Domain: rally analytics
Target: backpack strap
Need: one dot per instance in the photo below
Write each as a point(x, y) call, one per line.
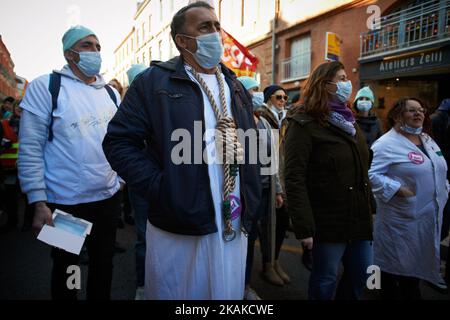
point(53, 86)
point(112, 95)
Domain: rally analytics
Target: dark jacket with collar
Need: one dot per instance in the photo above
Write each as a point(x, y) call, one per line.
point(371, 127)
point(265, 112)
point(160, 100)
point(327, 183)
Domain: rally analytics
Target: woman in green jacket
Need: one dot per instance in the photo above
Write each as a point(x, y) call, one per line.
point(327, 185)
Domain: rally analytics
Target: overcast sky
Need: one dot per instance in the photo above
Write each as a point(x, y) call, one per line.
point(32, 29)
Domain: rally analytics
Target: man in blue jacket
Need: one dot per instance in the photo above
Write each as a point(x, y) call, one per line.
point(200, 210)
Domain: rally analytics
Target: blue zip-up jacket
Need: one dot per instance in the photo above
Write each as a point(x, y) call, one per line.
point(160, 100)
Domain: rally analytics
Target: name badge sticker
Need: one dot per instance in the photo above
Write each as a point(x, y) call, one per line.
point(416, 157)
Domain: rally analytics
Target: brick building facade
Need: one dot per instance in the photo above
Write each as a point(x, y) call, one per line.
point(8, 86)
point(347, 21)
point(406, 54)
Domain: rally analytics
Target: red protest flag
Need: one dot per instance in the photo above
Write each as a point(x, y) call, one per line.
point(237, 57)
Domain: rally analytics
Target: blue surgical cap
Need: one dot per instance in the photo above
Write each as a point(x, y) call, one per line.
point(134, 71)
point(75, 34)
point(248, 82)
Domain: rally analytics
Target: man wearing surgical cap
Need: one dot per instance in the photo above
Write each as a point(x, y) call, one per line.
point(134, 71)
point(61, 163)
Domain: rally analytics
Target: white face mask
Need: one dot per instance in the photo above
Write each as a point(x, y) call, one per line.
point(257, 99)
point(411, 130)
point(209, 49)
point(363, 105)
point(344, 90)
point(90, 63)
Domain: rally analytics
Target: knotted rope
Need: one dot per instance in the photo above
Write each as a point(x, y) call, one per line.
point(229, 149)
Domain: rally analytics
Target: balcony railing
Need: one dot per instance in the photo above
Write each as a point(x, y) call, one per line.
point(297, 67)
point(416, 26)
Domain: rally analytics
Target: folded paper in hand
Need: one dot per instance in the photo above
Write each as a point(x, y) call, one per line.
point(68, 233)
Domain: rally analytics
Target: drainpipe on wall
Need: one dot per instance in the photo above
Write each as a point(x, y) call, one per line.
point(274, 40)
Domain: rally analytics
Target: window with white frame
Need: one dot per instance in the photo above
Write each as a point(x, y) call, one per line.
point(298, 65)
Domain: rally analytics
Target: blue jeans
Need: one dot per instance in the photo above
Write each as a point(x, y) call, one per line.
point(356, 257)
point(140, 208)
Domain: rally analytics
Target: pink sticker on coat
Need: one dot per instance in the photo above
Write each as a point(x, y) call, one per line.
point(416, 157)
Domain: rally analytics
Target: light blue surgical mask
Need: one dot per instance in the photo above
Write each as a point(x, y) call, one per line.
point(90, 63)
point(209, 49)
point(257, 100)
point(411, 130)
point(344, 90)
point(364, 105)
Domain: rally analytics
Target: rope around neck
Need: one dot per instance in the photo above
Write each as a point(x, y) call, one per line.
point(229, 150)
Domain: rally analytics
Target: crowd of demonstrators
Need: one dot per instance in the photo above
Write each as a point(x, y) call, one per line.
point(126, 207)
point(199, 214)
point(140, 209)
point(7, 108)
point(408, 177)
point(440, 121)
point(274, 112)
point(61, 163)
point(271, 194)
point(197, 223)
point(327, 185)
point(9, 184)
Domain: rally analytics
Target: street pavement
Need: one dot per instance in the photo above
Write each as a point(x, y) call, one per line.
point(25, 267)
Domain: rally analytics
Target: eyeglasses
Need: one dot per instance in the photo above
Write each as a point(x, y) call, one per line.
point(280, 97)
point(414, 111)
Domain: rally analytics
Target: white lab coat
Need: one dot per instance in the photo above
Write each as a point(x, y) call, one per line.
point(407, 230)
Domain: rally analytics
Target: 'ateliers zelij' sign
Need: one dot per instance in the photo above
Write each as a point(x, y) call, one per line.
point(416, 63)
point(410, 63)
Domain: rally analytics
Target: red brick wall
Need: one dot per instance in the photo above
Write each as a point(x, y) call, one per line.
point(7, 88)
point(348, 22)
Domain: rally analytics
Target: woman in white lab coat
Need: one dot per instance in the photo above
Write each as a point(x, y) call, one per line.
point(408, 177)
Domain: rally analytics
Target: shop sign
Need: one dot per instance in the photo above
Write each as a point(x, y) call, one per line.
point(406, 65)
point(332, 47)
point(421, 60)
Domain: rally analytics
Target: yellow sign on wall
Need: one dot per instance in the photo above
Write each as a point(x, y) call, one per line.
point(332, 47)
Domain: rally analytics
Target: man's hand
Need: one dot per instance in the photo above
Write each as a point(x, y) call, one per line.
point(279, 201)
point(122, 186)
point(404, 192)
point(307, 243)
point(42, 216)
